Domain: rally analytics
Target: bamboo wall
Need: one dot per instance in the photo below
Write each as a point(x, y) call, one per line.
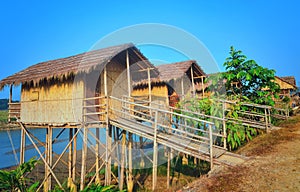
point(159, 93)
point(56, 103)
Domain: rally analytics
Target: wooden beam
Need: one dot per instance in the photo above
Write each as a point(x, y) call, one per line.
point(224, 125)
point(50, 150)
point(9, 101)
point(202, 85)
point(108, 154)
point(182, 88)
point(168, 168)
point(149, 85)
point(97, 156)
point(70, 156)
point(74, 156)
point(211, 147)
point(83, 158)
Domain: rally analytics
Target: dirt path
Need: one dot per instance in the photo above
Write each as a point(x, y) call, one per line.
point(274, 165)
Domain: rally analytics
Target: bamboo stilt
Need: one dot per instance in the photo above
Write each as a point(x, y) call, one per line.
point(9, 101)
point(202, 85)
point(97, 156)
point(74, 156)
point(121, 176)
point(22, 147)
point(168, 169)
point(46, 183)
point(50, 150)
point(108, 155)
point(193, 83)
point(155, 154)
point(83, 160)
point(70, 155)
point(130, 176)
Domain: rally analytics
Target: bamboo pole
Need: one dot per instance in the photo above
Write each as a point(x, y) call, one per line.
point(70, 155)
point(155, 153)
point(130, 176)
point(22, 147)
point(50, 150)
point(9, 101)
point(149, 85)
point(83, 159)
point(211, 146)
point(121, 177)
point(46, 183)
point(108, 154)
point(202, 85)
point(128, 73)
point(193, 83)
point(224, 125)
point(97, 156)
point(168, 169)
point(74, 157)
point(266, 120)
point(182, 88)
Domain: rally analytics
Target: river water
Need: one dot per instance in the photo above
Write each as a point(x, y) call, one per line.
point(10, 145)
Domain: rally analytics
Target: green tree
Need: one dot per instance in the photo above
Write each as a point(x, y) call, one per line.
point(246, 79)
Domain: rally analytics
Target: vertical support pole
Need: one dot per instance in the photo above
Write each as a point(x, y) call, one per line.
point(224, 125)
point(128, 74)
point(50, 151)
point(22, 147)
point(74, 157)
point(211, 147)
point(108, 154)
point(121, 176)
point(202, 85)
point(149, 85)
point(155, 154)
point(168, 169)
point(97, 156)
point(70, 160)
point(182, 88)
point(46, 183)
point(193, 83)
point(266, 120)
point(130, 176)
point(9, 101)
point(83, 159)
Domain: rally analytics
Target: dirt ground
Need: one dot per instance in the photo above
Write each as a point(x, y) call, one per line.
point(274, 164)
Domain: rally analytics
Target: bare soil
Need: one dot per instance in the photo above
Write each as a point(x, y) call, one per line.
point(274, 164)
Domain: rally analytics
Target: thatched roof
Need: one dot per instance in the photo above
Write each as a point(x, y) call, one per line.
point(177, 70)
point(81, 63)
point(289, 79)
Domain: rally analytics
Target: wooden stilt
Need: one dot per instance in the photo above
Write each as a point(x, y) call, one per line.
point(74, 187)
point(130, 176)
point(108, 154)
point(142, 163)
point(182, 89)
point(70, 156)
point(202, 85)
point(168, 169)
point(224, 125)
point(83, 160)
point(121, 176)
point(97, 156)
point(155, 154)
point(149, 85)
point(22, 147)
point(46, 183)
point(211, 147)
point(128, 74)
point(50, 150)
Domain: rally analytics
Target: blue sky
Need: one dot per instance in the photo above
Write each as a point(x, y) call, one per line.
point(35, 31)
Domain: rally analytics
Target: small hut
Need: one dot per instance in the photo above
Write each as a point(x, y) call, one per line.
point(176, 80)
point(53, 92)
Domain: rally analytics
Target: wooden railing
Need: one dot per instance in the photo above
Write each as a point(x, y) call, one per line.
point(14, 111)
point(95, 110)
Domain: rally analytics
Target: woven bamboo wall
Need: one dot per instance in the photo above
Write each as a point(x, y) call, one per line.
point(56, 103)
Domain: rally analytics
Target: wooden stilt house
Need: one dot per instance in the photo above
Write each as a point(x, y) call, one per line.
point(53, 92)
point(176, 80)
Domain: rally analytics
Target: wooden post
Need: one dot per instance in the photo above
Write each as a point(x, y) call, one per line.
point(108, 154)
point(128, 73)
point(46, 183)
point(74, 158)
point(211, 147)
point(202, 85)
point(149, 85)
point(266, 120)
point(97, 156)
point(155, 154)
point(193, 83)
point(70, 160)
point(130, 176)
point(224, 125)
point(182, 88)
point(50, 151)
point(9, 103)
point(22, 147)
point(168, 169)
point(121, 176)
point(83, 160)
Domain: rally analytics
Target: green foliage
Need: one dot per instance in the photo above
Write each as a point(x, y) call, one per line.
point(15, 180)
point(3, 116)
point(99, 188)
point(246, 79)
